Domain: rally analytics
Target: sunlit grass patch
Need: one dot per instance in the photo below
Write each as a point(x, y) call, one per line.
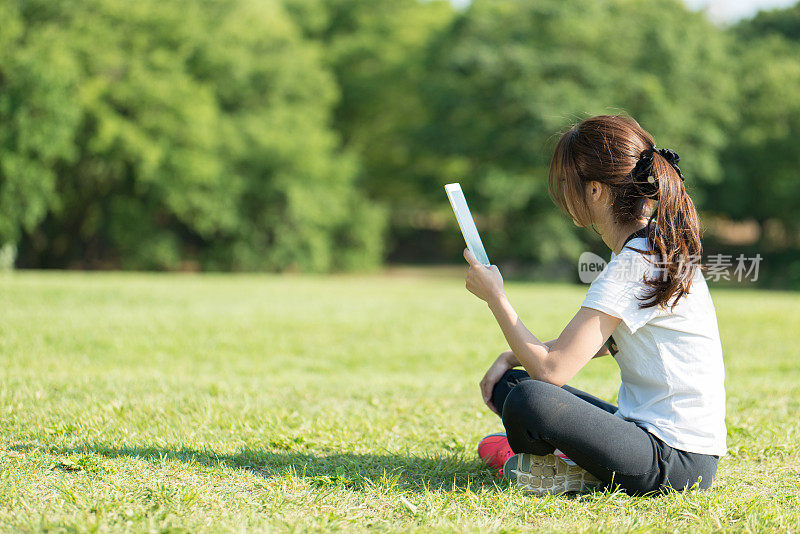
point(220, 403)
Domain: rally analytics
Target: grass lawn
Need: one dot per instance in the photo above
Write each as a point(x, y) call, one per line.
point(150, 402)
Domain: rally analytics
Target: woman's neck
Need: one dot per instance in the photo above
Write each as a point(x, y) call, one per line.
point(614, 235)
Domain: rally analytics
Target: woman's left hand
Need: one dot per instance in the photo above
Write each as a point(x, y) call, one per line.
point(484, 282)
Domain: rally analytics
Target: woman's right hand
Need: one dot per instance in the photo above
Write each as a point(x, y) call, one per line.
point(502, 364)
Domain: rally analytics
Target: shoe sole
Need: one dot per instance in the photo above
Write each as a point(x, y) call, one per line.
point(547, 475)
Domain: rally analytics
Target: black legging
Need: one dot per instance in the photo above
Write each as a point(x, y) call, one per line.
point(540, 417)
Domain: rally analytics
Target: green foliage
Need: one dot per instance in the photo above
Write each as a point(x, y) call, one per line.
point(203, 135)
point(784, 22)
point(508, 75)
point(762, 158)
point(315, 135)
point(377, 52)
point(37, 121)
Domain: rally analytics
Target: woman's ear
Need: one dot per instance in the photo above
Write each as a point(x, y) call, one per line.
point(594, 191)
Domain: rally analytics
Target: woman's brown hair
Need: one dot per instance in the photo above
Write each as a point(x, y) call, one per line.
point(606, 149)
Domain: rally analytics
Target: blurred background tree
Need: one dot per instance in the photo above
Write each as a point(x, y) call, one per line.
point(37, 122)
point(762, 159)
point(508, 75)
point(316, 135)
point(377, 52)
point(203, 135)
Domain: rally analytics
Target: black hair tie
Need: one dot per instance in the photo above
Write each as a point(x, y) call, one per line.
point(643, 176)
point(672, 157)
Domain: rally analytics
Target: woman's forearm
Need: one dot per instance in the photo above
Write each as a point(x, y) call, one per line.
point(557, 363)
point(512, 360)
point(530, 352)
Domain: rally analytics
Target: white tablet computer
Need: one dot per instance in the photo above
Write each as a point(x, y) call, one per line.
point(465, 222)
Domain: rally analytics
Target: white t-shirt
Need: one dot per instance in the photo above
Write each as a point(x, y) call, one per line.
point(670, 360)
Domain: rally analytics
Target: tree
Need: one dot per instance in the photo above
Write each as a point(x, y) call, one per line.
point(784, 22)
point(376, 51)
point(204, 134)
point(37, 122)
point(508, 75)
point(762, 158)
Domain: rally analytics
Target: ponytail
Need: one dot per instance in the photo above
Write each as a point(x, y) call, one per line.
point(674, 233)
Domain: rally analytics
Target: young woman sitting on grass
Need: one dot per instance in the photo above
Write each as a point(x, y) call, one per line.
point(668, 430)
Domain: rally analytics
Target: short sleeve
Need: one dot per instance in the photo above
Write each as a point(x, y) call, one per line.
point(619, 289)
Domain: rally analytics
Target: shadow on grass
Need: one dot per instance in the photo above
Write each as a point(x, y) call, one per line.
point(354, 471)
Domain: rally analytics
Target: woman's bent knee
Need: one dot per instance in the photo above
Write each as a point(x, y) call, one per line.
point(528, 402)
point(526, 416)
point(505, 385)
point(509, 376)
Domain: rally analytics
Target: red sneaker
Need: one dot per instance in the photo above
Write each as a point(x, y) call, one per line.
point(494, 450)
